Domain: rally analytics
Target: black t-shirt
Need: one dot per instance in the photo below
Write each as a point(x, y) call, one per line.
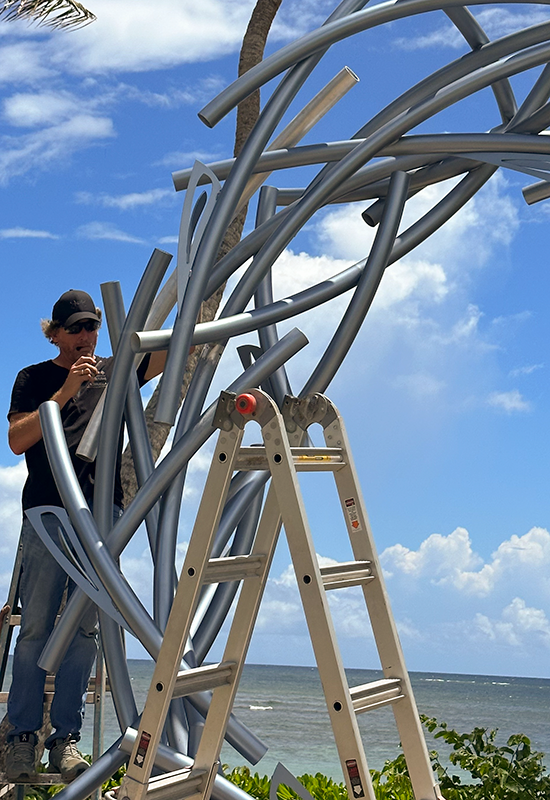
point(35, 385)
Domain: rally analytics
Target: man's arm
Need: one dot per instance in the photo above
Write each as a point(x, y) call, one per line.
point(24, 427)
point(157, 361)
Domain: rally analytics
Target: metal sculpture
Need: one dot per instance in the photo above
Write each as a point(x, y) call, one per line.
point(348, 173)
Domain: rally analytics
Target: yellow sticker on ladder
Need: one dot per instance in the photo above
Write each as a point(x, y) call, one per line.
point(353, 516)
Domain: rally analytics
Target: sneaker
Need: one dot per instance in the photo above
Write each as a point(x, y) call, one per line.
point(21, 758)
point(65, 759)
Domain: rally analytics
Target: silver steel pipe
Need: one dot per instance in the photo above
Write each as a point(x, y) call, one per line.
point(247, 321)
point(138, 620)
point(164, 585)
point(228, 200)
point(138, 434)
point(128, 604)
point(536, 192)
point(319, 39)
point(469, 27)
point(268, 336)
point(116, 391)
point(117, 669)
point(366, 288)
point(217, 225)
point(154, 487)
point(317, 194)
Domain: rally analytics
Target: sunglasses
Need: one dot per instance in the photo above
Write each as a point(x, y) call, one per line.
point(86, 324)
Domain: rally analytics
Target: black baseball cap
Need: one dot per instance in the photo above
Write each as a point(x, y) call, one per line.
point(73, 306)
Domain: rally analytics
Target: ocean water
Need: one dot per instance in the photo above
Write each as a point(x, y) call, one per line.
point(285, 707)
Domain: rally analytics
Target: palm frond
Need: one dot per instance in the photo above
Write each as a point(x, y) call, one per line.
point(51, 13)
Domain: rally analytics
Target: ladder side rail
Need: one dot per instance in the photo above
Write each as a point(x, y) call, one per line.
point(176, 634)
point(314, 600)
point(385, 632)
point(240, 633)
point(6, 630)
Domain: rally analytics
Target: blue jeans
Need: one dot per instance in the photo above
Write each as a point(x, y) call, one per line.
point(41, 589)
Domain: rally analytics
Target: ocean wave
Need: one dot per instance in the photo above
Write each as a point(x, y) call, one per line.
point(260, 708)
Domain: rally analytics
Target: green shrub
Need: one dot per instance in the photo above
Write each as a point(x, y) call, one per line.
point(497, 772)
point(509, 772)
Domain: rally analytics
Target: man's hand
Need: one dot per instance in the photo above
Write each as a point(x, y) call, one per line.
point(25, 430)
point(81, 371)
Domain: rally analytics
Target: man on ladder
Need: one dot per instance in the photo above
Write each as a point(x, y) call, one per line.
point(75, 379)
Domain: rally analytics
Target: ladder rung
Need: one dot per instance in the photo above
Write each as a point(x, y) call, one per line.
point(15, 620)
point(376, 694)
point(233, 568)
point(348, 573)
point(40, 779)
point(306, 459)
point(48, 697)
point(200, 679)
point(174, 785)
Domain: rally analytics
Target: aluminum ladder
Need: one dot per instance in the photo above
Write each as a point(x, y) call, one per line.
point(283, 455)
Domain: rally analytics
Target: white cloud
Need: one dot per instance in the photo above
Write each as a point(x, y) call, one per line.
point(133, 35)
point(23, 62)
point(496, 22)
point(420, 385)
point(37, 150)
point(106, 230)
point(509, 401)
point(125, 202)
point(437, 557)
point(526, 370)
point(179, 159)
point(26, 233)
point(450, 561)
point(28, 110)
point(168, 240)
point(519, 625)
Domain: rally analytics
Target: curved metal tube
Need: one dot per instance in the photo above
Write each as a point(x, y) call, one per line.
point(311, 43)
point(138, 620)
point(164, 474)
point(123, 363)
point(315, 197)
point(366, 288)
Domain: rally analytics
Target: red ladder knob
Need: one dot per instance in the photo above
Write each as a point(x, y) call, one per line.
point(246, 403)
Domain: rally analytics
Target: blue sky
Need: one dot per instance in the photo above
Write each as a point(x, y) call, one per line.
point(444, 392)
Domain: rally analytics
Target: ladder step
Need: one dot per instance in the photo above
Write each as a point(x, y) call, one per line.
point(376, 694)
point(306, 459)
point(40, 779)
point(200, 679)
point(348, 573)
point(174, 785)
point(233, 568)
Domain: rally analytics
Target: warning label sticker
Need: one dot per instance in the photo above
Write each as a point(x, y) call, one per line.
point(355, 778)
point(142, 749)
point(351, 511)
